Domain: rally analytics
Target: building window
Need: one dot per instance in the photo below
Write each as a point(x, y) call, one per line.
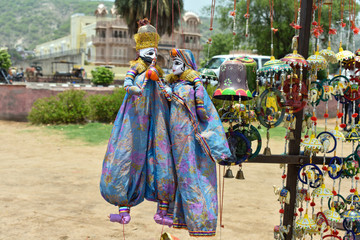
point(124, 34)
point(103, 33)
point(115, 34)
point(120, 34)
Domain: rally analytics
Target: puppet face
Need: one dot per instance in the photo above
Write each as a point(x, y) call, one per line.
point(178, 66)
point(148, 54)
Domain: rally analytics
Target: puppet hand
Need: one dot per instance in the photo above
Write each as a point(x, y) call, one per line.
point(199, 98)
point(133, 90)
point(168, 90)
point(201, 112)
point(152, 74)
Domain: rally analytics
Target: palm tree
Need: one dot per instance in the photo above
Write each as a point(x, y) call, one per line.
point(134, 10)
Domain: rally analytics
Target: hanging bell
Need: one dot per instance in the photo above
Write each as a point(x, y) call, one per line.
point(237, 79)
point(240, 175)
point(228, 174)
point(291, 135)
point(267, 151)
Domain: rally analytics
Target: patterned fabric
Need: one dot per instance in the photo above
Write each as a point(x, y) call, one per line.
point(186, 56)
point(138, 163)
point(197, 145)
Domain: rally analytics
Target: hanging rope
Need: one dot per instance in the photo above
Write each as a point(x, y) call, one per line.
point(172, 21)
point(233, 14)
point(273, 30)
point(157, 13)
point(123, 229)
point(151, 9)
point(212, 12)
point(295, 24)
point(181, 25)
point(247, 16)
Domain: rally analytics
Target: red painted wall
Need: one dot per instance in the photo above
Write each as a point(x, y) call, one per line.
point(16, 100)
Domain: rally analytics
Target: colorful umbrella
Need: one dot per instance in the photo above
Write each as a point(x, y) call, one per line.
point(311, 144)
point(295, 60)
point(317, 62)
point(305, 223)
point(337, 134)
point(332, 215)
point(273, 67)
point(329, 55)
point(322, 192)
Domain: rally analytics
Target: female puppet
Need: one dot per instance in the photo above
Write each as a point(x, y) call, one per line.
point(138, 162)
point(198, 141)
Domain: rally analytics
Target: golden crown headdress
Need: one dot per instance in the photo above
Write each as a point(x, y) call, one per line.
point(147, 36)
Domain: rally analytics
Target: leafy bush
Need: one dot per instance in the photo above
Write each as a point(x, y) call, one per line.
point(104, 108)
point(5, 61)
point(102, 76)
point(67, 107)
point(217, 103)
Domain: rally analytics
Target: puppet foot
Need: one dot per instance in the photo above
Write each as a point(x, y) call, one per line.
point(123, 217)
point(161, 218)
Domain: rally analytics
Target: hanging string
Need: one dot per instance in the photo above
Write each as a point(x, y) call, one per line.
point(247, 16)
point(296, 10)
point(295, 23)
point(172, 21)
point(151, 9)
point(233, 14)
point(123, 229)
point(157, 13)
point(273, 30)
point(349, 30)
point(212, 12)
point(220, 198)
point(318, 30)
point(181, 25)
point(332, 31)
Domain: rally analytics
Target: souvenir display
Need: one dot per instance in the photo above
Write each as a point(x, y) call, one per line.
point(168, 135)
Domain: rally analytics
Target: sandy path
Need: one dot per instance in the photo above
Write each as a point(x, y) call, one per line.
point(50, 190)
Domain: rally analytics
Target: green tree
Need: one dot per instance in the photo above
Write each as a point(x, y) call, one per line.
point(221, 44)
point(134, 10)
point(259, 24)
point(5, 61)
point(102, 76)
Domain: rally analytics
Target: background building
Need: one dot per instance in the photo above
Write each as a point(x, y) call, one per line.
point(103, 39)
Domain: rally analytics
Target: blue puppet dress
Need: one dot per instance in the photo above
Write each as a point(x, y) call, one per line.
point(138, 162)
point(197, 145)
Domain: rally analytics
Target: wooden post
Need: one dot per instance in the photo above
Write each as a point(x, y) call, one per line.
point(294, 145)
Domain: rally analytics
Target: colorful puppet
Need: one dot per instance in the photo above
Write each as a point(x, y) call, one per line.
point(198, 141)
point(138, 163)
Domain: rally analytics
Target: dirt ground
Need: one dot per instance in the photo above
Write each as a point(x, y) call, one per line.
point(50, 190)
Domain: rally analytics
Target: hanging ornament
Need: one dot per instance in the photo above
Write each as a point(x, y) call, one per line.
point(344, 57)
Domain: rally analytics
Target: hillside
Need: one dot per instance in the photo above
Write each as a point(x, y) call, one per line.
point(27, 23)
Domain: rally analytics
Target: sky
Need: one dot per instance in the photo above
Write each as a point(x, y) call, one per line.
point(196, 5)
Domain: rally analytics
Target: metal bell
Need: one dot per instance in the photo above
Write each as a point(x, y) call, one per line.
point(228, 174)
point(240, 175)
point(237, 79)
point(291, 135)
point(267, 151)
